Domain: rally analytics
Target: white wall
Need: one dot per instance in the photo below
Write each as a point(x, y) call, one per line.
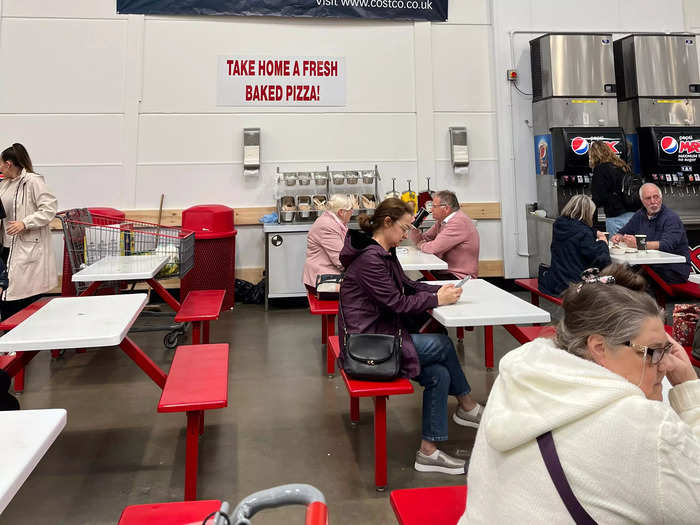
point(116, 110)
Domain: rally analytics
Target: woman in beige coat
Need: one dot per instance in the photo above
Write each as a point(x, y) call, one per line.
point(26, 239)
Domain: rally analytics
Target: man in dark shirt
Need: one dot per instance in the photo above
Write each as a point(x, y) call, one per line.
point(664, 231)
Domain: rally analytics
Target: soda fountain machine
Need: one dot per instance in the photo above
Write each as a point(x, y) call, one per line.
point(659, 106)
point(574, 103)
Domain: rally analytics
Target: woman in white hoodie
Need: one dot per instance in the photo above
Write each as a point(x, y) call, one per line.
point(627, 457)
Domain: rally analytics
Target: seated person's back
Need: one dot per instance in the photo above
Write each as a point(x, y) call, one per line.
point(325, 240)
point(575, 247)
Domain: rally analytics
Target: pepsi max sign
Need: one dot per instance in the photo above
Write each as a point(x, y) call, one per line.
point(669, 145)
point(685, 148)
point(570, 148)
point(581, 145)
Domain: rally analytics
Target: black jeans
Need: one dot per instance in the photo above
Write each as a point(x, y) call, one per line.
point(10, 308)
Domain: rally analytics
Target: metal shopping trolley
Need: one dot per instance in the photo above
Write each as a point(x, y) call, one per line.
point(91, 238)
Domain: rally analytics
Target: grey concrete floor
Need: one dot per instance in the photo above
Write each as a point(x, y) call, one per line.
point(286, 422)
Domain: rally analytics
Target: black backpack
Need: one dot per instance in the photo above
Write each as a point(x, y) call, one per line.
point(630, 184)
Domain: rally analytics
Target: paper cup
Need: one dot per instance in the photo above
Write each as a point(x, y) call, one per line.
point(641, 242)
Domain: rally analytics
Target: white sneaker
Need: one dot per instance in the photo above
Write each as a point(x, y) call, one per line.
point(439, 462)
point(464, 418)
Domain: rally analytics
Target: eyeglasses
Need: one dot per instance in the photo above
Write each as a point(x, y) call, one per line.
point(655, 353)
point(405, 227)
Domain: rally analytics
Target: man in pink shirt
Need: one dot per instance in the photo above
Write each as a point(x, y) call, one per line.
point(453, 238)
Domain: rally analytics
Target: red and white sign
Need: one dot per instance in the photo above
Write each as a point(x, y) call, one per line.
point(280, 81)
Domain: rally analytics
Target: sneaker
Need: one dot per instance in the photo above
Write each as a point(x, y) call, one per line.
point(439, 462)
point(464, 418)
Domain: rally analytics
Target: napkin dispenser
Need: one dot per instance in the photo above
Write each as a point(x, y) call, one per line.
point(459, 150)
point(251, 151)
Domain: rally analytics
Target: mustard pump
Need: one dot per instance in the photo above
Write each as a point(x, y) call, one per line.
point(410, 196)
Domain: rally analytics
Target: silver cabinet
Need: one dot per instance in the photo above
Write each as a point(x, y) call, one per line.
point(285, 253)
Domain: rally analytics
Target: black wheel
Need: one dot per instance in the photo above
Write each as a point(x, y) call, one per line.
point(170, 340)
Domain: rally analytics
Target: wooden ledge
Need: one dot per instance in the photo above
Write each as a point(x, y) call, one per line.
point(249, 216)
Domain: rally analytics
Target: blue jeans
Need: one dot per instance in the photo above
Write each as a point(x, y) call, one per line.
point(441, 375)
point(613, 224)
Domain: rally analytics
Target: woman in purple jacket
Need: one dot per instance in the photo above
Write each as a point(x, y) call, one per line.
point(376, 296)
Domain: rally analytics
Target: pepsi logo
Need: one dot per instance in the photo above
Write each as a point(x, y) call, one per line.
point(669, 145)
point(579, 145)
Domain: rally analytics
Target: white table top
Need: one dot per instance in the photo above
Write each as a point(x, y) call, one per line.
point(648, 257)
point(122, 268)
point(25, 437)
point(483, 304)
point(76, 322)
point(411, 258)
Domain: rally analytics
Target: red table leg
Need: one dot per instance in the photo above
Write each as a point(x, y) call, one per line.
point(460, 333)
point(428, 276)
point(205, 332)
point(328, 321)
point(90, 290)
point(488, 346)
point(196, 328)
point(19, 380)
point(330, 325)
point(534, 299)
point(18, 364)
point(354, 410)
point(330, 361)
point(143, 361)
point(164, 294)
point(380, 443)
point(192, 454)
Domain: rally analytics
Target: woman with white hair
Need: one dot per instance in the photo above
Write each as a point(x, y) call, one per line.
point(575, 246)
point(325, 240)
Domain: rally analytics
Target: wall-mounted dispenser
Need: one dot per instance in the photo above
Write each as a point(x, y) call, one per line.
point(251, 151)
point(459, 150)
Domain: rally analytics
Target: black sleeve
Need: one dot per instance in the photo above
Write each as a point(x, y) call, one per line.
point(3, 275)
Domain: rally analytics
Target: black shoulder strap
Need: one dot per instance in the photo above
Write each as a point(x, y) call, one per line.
point(556, 472)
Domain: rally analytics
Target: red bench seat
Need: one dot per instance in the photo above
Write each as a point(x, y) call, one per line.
point(198, 308)
point(434, 505)
point(379, 391)
point(531, 286)
point(10, 323)
point(327, 310)
point(197, 381)
point(178, 513)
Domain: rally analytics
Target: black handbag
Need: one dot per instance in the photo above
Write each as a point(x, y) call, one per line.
point(328, 286)
point(371, 357)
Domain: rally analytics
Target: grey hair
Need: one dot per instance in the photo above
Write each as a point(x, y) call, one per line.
point(580, 208)
point(648, 184)
point(449, 198)
point(339, 201)
point(611, 311)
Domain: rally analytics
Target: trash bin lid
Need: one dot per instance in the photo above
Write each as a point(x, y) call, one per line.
point(209, 221)
point(112, 216)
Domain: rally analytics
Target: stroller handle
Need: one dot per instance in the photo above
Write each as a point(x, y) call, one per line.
point(291, 494)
